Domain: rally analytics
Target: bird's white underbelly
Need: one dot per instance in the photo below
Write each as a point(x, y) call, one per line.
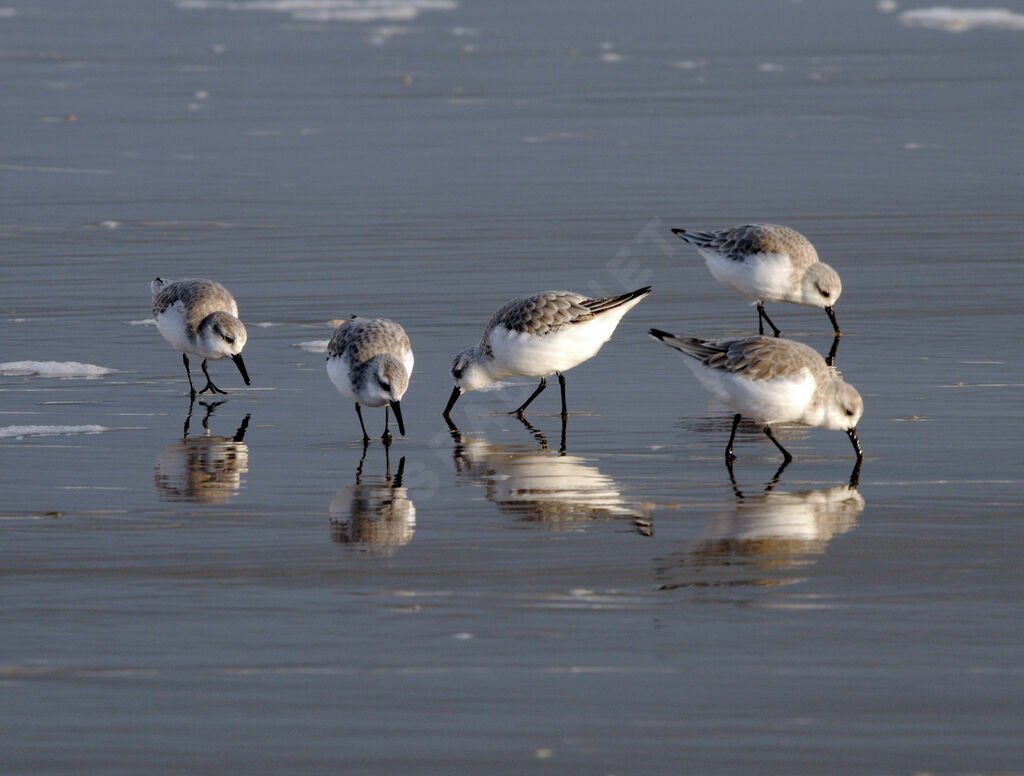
point(534, 355)
point(760, 277)
point(780, 400)
point(171, 325)
point(341, 376)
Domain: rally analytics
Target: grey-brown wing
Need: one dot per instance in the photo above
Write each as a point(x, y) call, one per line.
point(363, 338)
point(740, 242)
point(199, 297)
point(540, 313)
point(764, 358)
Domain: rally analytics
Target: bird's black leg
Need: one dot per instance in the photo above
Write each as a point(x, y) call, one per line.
point(771, 436)
point(525, 404)
point(561, 448)
point(209, 383)
point(359, 412)
point(852, 433)
point(776, 331)
point(386, 436)
point(729, 454)
point(830, 359)
point(832, 318)
point(561, 384)
point(188, 374)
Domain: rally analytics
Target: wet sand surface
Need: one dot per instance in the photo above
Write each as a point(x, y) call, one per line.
point(235, 588)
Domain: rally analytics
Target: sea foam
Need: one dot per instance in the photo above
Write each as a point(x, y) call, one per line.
point(963, 19)
point(54, 369)
point(313, 346)
point(13, 432)
point(328, 10)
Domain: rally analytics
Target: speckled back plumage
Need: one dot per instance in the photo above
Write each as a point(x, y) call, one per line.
point(360, 339)
point(756, 358)
point(540, 313)
point(739, 242)
point(199, 298)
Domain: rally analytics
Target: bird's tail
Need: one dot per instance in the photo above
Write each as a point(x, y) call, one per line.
point(610, 303)
point(697, 239)
point(690, 346)
point(157, 284)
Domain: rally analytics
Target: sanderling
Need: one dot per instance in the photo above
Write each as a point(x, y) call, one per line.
point(774, 380)
point(533, 336)
point(369, 360)
point(768, 263)
point(199, 317)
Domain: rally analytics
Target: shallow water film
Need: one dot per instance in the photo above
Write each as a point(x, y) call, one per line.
point(235, 585)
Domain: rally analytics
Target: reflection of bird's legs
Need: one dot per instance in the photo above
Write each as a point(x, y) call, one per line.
point(830, 359)
point(362, 458)
point(760, 326)
point(774, 480)
point(387, 464)
point(209, 383)
point(188, 417)
point(525, 404)
point(561, 448)
point(538, 435)
point(210, 407)
point(386, 436)
point(240, 434)
point(732, 478)
point(771, 436)
point(730, 456)
point(359, 412)
point(855, 474)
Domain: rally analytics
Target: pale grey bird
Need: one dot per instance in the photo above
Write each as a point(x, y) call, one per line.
point(768, 263)
point(200, 317)
point(773, 380)
point(370, 360)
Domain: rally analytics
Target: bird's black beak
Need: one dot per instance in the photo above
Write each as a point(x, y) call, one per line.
point(398, 416)
point(456, 393)
point(832, 317)
point(241, 367)
point(852, 433)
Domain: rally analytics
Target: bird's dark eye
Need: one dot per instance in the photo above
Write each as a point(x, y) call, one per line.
point(849, 413)
point(386, 386)
point(824, 293)
point(229, 340)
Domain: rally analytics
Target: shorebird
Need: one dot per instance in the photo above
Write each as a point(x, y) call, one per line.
point(768, 263)
point(369, 360)
point(537, 335)
point(773, 380)
point(199, 317)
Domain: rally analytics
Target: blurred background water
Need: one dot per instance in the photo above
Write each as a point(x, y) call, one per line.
point(235, 587)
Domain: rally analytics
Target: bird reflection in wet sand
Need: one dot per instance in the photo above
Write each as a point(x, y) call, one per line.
point(561, 491)
point(377, 517)
point(767, 531)
point(206, 469)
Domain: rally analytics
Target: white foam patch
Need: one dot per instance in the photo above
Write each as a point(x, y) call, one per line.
point(313, 346)
point(54, 369)
point(963, 19)
point(142, 322)
point(15, 432)
point(328, 10)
